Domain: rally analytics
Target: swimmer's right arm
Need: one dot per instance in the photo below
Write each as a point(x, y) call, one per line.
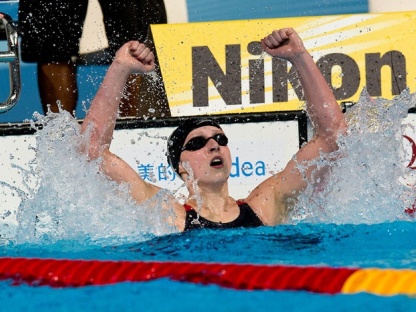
point(132, 57)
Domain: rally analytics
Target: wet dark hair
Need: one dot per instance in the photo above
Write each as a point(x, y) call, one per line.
point(178, 137)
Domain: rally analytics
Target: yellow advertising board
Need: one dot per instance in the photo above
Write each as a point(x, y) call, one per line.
point(219, 68)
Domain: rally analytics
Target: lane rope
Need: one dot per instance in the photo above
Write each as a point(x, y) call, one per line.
point(325, 280)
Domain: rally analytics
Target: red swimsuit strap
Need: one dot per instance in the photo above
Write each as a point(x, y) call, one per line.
point(188, 207)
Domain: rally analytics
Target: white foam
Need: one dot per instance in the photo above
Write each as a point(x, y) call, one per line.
point(364, 184)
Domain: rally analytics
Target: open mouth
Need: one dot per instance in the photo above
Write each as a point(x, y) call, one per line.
point(217, 161)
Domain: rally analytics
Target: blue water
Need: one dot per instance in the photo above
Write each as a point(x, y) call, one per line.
point(383, 245)
point(166, 296)
point(386, 245)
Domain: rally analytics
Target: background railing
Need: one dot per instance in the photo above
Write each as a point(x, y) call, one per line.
point(11, 56)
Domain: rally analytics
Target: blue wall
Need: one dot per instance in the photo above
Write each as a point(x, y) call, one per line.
point(202, 10)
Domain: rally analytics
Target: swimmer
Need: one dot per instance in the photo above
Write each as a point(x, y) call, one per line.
point(198, 151)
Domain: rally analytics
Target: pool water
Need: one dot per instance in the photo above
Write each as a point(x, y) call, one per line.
point(165, 295)
point(385, 245)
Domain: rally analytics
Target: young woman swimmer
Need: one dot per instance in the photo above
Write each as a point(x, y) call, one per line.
point(198, 151)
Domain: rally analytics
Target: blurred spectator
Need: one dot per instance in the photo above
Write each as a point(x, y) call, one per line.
point(50, 35)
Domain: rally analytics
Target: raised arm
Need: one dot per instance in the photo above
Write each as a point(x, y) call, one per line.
point(132, 57)
point(322, 108)
point(98, 126)
point(275, 196)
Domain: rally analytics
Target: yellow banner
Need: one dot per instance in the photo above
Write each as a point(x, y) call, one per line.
point(219, 68)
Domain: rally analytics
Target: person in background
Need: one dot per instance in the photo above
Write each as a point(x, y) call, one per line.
point(50, 33)
point(198, 149)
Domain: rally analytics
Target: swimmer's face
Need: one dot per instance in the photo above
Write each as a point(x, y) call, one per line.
point(206, 153)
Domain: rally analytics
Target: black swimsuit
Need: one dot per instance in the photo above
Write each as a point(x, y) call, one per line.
point(246, 218)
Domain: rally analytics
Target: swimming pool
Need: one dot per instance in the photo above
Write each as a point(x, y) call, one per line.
point(386, 245)
point(377, 234)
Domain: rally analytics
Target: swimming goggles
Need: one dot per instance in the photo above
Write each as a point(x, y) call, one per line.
point(199, 142)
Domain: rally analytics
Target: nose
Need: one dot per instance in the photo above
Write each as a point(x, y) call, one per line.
point(212, 145)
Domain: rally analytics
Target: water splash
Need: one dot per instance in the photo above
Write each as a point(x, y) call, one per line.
point(365, 183)
point(197, 194)
point(74, 201)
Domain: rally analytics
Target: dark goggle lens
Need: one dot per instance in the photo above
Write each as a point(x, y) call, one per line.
point(199, 142)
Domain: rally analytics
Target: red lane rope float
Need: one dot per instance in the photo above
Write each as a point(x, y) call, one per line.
point(75, 273)
point(328, 280)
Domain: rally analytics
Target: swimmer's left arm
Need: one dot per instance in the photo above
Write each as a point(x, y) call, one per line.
point(322, 108)
point(277, 194)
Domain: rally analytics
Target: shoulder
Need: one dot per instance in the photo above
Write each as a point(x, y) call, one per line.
point(269, 200)
point(166, 205)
